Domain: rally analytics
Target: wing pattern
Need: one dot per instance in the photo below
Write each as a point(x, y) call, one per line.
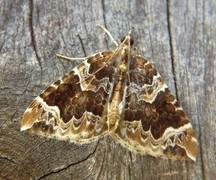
point(153, 121)
point(73, 108)
point(117, 93)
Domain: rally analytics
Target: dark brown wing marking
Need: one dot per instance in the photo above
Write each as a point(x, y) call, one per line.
point(153, 122)
point(73, 108)
point(118, 93)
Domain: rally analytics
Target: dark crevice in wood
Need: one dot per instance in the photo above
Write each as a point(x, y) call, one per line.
point(8, 159)
point(104, 12)
point(129, 166)
point(172, 54)
point(34, 45)
point(2, 44)
point(201, 153)
point(61, 30)
point(69, 165)
point(14, 113)
point(104, 19)
point(82, 45)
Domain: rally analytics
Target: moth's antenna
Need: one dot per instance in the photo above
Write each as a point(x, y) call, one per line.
point(108, 33)
point(69, 58)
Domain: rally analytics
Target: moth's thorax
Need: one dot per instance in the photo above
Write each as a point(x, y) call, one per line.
point(117, 97)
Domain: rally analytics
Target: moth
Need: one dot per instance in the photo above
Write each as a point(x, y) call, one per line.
point(117, 93)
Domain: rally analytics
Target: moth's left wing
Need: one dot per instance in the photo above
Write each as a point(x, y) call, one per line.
point(152, 120)
point(74, 107)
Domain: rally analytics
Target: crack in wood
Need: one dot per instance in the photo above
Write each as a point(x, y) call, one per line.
point(8, 159)
point(69, 165)
point(104, 19)
point(82, 45)
point(33, 40)
point(172, 54)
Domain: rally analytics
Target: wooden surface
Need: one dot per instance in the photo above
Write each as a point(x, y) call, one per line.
point(179, 37)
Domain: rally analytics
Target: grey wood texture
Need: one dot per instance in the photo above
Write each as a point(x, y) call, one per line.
point(179, 37)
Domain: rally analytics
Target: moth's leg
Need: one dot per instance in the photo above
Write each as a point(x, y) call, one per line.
point(69, 58)
point(108, 33)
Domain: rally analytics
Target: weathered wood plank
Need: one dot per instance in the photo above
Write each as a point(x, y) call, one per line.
point(193, 24)
point(177, 36)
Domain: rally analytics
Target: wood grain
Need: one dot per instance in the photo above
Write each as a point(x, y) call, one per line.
point(179, 37)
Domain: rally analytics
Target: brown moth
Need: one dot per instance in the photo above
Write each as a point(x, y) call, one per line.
point(117, 93)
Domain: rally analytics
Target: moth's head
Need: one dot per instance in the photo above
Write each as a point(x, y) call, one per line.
point(128, 40)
